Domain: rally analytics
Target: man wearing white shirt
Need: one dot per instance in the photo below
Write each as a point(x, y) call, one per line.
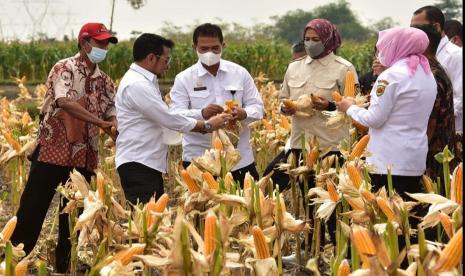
point(449, 55)
point(141, 155)
point(201, 90)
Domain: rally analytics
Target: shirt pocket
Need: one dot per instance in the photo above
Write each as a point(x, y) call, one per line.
point(199, 99)
point(324, 88)
point(296, 88)
point(233, 93)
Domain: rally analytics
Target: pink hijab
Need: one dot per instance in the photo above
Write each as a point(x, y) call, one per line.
point(404, 42)
point(328, 34)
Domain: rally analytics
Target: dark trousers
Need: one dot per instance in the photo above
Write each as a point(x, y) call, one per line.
point(40, 188)
point(238, 175)
point(140, 182)
point(281, 178)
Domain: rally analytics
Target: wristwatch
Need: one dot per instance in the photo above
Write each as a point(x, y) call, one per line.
point(207, 126)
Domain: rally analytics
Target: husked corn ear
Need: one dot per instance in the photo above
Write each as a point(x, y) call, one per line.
point(446, 222)
point(267, 125)
point(336, 96)
point(209, 233)
point(359, 147)
point(354, 175)
point(21, 267)
point(161, 204)
point(189, 182)
point(125, 256)
point(211, 182)
point(387, 210)
point(452, 254)
point(349, 89)
point(456, 186)
point(427, 183)
point(284, 122)
point(149, 208)
point(312, 157)
point(261, 247)
point(228, 180)
point(11, 141)
point(100, 186)
point(25, 119)
point(368, 196)
point(362, 240)
point(9, 228)
point(332, 190)
point(355, 203)
point(247, 181)
point(217, 144)
point(290, 104)
point(344, 268)
point(359, 126)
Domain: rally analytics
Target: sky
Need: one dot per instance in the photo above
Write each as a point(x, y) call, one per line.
point(67, 16)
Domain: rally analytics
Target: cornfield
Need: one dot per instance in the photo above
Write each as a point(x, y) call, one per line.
point(207, 224)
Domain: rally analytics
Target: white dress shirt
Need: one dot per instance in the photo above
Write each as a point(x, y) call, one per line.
point(142, 114)
point(195, 88)
point(451, 58)
point(398, 120)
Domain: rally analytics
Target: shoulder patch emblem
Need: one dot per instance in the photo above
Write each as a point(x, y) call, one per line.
point(380, 87)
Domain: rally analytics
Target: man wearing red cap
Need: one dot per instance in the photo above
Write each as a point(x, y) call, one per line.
point(79, 101)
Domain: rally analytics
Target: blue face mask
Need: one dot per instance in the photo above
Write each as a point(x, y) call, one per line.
point(97, 55)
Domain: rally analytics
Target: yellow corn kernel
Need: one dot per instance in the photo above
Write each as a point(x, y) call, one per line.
point(354, 175)
point(344, 268)
point(21, 267)
point(387, 210)
point(228, 180)
point(261, 247)
point(211, 182)
point(456, 186)
point(101, 186)
point(290, 104)
point(209, 233)
point(336, 96)
point(359, 147)
point(446, 222)
point(247, 181)
point(312, 157)
point(11, 141)
point(217, 144)
point(427, 183)
point(362, 240)
point(125, 256)
point(349, 89)
point(355, 203)
point(25, 119)
point(149, 208)
point(284, 123)
point(189, 182)
point(452, 254)
point(267, 125)
point(161, 204)
point(332, 190)
point(9, 228)
point(368, 196)
point(359, 126)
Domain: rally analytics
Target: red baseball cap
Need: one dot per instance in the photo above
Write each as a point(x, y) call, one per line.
point(97, 31)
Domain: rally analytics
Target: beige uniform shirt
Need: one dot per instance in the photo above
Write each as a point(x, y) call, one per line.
point(319, 77)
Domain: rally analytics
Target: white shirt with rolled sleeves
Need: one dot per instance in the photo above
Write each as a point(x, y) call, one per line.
point(451, 58)
point(195, 88)
point(398, 120)
point(142, 114)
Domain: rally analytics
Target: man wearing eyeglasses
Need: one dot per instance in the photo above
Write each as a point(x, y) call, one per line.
point(201, 91)
point(143, 115)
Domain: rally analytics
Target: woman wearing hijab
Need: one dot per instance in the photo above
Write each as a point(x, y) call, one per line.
point(319, 74)
point(401, 103)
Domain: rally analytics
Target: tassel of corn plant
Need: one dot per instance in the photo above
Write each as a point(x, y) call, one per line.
point(344, 268)
point(354, 175)
point(386, 208)
point(9, 228)
point(125, 256)
point(456, 185)
point(189, 182)
point(209, 233)
point(261, 246)
point(349, 88)
point(361, 145)
point(211, 182)
point(452, 254)
point(446, 223)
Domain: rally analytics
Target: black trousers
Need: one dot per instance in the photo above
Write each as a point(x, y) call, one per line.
point(140, 182)
point(40, 188)
point(239, 174)
point(282, 179)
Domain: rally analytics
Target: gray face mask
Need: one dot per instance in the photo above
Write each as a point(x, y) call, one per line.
point(314, 48)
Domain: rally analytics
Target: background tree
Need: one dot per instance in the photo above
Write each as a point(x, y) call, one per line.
point(452, 9)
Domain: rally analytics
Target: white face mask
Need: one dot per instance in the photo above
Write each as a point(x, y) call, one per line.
point(209, 58)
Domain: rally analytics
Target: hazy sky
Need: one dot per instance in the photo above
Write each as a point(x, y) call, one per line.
point(67, 16)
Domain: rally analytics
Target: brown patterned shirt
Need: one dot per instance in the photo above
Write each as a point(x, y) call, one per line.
point(65, 140)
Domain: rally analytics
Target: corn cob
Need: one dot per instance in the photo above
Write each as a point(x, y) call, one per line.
point(100, 186)
point(349, 89)
point(362, 240)
point(211, 182)
point(189, 182)
point(456, 186)
point(13, 143)
point(427, 183)
point(336, 96)
point(25, 119)
point(228, 180)
point(359, 126)
point(452, 254)
point(447, 224)
point(267, 125)
point(149, 208)
point(261, 247)
point(368, 196)
point(284, 123)
point(9, 228)
point(359, 147)
point(354, 175)
point(355, 203)
point(21, 267)
point(332, 190)
point(209, 233)
point(344, 268)
point(312, 156)
point(387, 210)
point(290, 104)
point(247, 181)
point(161, 204)
point(125, 256)
point(217, 144)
